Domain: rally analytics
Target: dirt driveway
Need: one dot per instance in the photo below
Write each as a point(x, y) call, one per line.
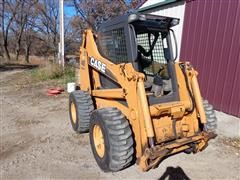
point(37, 142)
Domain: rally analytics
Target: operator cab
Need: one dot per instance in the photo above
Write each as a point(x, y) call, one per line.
point(144, 41)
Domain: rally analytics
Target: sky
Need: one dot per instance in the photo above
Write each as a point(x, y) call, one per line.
point(69, 11)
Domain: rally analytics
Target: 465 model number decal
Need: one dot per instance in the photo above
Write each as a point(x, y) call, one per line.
point(98, 64)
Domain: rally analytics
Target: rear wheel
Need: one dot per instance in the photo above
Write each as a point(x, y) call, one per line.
point(211, 124)
point(111, 139)
point(80, 108)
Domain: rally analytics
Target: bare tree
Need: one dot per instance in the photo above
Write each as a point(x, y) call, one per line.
point(32, 26)
point(94, 12)
point(8, 13)
point(29, 36)
point(21, 21)
point(48, 24)
point(30, 31)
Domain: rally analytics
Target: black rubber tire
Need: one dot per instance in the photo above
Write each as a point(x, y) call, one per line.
point(84, 107)
point(117, 139)
point(211, 124)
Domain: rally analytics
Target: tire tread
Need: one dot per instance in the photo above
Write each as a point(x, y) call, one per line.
point(119, 137)
point(84, 106)
point(211, 124)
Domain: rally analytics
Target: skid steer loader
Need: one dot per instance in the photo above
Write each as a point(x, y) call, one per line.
point(136, 102)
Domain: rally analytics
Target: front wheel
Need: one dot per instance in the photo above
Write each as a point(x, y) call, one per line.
point(111, 139)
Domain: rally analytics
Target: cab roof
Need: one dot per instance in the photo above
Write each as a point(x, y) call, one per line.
point(138, 19)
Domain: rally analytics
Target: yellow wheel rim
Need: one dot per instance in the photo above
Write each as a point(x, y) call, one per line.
point(98, 140)
point(73, 113)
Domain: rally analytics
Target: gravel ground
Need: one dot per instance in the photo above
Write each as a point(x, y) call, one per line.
point(37, 142)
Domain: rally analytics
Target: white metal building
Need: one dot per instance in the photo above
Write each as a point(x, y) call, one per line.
point(170, 8)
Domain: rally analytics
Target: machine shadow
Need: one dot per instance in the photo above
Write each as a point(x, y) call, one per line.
point(173, 173)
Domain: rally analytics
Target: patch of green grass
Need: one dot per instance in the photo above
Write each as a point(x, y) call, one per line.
point(53, 72)
point(69, 75)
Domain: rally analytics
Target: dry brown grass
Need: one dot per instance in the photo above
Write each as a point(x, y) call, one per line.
point(53, 71)
point(34, 60)
point(233, 142)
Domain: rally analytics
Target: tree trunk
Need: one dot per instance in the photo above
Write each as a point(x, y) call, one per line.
point(17, 51)
point(6, 52)
point(55, 50)
point(19, 39)
point(27, 52)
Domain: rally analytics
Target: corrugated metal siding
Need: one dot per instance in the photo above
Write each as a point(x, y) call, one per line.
point(211, 42)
